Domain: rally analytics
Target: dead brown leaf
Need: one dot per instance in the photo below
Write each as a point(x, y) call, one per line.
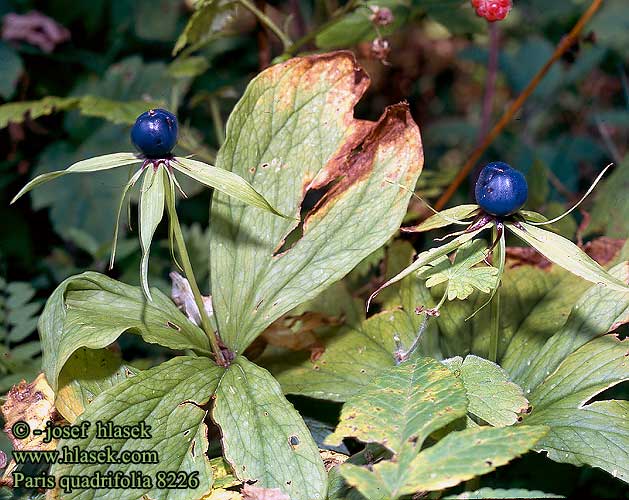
point(332, 458)
point(526, 256)
point(33, 403)
point(297, 333)
point(603, 250)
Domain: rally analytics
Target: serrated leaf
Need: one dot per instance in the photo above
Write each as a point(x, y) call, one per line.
point(461, 276)
point(566, 254)
point(95, 164)
point(85, 375)
point(209, 19)
point(168, 398)
point(418, 396)
point(264, 438)
point(223, 181)
point(457, 457)
point(150, 214)
point(79, 314)
point(306, 139)
point(584, 432)
point(444, 218)
point(491, 395)
point(430, 256)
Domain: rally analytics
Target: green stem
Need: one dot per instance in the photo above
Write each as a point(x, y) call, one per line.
point(215, 110)
point(494, 336)
point(294, 48)
point(268, 22)
point(180, 243)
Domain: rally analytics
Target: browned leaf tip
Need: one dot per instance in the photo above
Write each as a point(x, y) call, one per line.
point(394, 133)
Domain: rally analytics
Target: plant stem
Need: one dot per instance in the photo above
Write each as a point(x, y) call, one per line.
point(490, 82)
point(268, 22)
point(494, 335)
point(565, 43)
point(217, 119)
point(312, 34)
point(180, 243)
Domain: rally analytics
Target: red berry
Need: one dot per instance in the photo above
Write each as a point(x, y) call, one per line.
point(492, 10)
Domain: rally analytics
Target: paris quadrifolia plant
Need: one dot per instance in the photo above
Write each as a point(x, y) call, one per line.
point(501, 191)
point(154, 135)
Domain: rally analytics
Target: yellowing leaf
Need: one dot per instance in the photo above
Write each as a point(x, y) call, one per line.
point(403, 406)
point(292, 132)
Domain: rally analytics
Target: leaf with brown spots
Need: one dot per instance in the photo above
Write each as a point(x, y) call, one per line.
point(170, 399)
point(456, 458)
point(264, 438)
point(293, 136)
point(403, 406)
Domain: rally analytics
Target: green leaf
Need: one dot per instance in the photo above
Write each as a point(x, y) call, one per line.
point(444, 218)
point(168, 398)
point(209, 19)
point(125, 112)
point(292, 132)
point(357, 26)
point(224, 181)
point(501, 493)
point(85, 375)
point(420, 397)
point(599, 311)
point(457, 457)
point(79, 314)
point(11, 68)
point(156, 20)
point(611, 208)
point(461, 276)
point(15, 112)
point(429, 256)
point(566, 254)
point(491, 395)
point(584, 432)
point(150, 214)
point(264, 438)
point(350, 360)
point(95, 164)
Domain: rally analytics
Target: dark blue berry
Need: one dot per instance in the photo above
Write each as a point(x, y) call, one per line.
point(154, 133)
point(500, 189)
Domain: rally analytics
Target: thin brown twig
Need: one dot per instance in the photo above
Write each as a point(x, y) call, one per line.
point(565, 43)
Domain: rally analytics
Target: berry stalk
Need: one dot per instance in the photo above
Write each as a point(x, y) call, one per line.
point(180, 243)
point(494, 335)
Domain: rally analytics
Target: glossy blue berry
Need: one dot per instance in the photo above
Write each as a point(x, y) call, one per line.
point(500, 189)
point(154, 133)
